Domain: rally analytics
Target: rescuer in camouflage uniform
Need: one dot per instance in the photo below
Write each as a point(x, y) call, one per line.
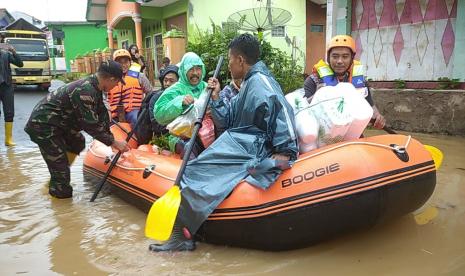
point(57, 120)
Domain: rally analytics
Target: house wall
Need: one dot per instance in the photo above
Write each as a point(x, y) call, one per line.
point(153, 19)
point(427, 111)
point(407, 39)
point(201, 13)
point(458, 58)
point(125, 34)
point(179, 21)
point(117, 10)
point(80, 39)
point(343, 22)
point(175, 8)
point(153, 23)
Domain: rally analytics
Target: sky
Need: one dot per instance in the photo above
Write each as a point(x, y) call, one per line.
point(49, 10)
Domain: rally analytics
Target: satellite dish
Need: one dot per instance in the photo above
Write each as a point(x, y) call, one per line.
point(260, 19)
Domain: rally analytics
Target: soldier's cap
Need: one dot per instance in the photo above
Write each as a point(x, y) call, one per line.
point(112, 68)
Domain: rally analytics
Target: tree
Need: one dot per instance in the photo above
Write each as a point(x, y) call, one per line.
point(210, 44)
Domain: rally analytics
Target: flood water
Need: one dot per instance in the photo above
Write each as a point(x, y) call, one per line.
point(44, 236)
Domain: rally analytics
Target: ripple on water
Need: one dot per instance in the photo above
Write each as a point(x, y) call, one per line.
point(40, 235)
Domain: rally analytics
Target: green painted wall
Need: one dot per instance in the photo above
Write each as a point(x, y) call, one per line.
point(151, 12)
point(175, 8)
point(150, 28)
point(202, 12)
point(458, 60)
point(153, 22)
point(124, 30)
point(343, 20)
point(125, 34)
point(81, 38)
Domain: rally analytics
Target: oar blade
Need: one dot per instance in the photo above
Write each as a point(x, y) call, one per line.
point(436, 154)
point(162, 214)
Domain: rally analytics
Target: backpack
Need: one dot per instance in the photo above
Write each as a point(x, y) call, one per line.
point(148, 127)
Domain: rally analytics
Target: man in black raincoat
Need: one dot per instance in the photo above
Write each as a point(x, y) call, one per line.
point(259, 142)
point(149, 127)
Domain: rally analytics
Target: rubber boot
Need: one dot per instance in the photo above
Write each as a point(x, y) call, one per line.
point(71, 157)
point(9, 134)
point(61, 191)
point(177, 242)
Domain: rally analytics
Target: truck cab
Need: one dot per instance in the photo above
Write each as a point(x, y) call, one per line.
point(32, 47)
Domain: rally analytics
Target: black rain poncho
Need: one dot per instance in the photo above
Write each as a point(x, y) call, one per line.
point(259, 123)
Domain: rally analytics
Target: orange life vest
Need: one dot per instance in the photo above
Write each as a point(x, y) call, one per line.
point(130, 95)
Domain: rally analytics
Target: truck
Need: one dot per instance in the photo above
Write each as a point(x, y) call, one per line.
point(32, 47)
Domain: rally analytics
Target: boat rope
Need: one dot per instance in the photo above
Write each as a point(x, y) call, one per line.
point(148, 168)
point(152, 170)
point(398, 148)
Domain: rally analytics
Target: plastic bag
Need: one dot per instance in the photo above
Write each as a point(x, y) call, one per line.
point(305, 121)
point(183, 125)
point(342, 113)
point(207, 132)
point(332, 113)
point(360, 110)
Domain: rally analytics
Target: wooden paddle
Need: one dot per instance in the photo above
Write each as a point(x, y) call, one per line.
point(115, 159)
point(162, 214)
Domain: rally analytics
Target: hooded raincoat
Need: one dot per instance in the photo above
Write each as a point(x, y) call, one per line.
point(259, 123)
point(169, 106)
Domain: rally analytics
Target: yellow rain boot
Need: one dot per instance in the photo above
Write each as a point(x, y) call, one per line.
point(71, 157)
point(9, 134)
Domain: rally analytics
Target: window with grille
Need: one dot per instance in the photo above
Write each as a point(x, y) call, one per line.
point(317, 28)
point(278, 31)
point(148, 41)
point(229, 26)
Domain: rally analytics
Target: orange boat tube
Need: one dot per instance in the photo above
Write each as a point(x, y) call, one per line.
point(329, 191)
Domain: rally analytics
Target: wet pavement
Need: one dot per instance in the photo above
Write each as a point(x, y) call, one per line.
point(44, 236)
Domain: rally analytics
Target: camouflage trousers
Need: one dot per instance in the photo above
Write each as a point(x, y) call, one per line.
point(53, 145)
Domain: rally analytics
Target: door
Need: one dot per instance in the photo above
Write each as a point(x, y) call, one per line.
point(316, 35)
point(157, 52)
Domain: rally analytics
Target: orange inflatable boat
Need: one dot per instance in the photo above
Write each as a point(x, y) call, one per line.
point(329, 191)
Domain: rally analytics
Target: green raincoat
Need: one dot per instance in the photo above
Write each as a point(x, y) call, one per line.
point(169, 106)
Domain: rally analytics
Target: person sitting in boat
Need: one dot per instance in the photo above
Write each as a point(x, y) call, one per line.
point(258, 144)
point(227, 94)
point(125, 99)
point(149, 127)
point(341, 67)
point(180, 96)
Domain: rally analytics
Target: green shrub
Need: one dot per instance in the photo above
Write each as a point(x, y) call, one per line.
point(70, 77)
point(161, 142)
point(446, 83)
point(174, 33)
point(399, 84)
point(210, 44)
point(287, 73)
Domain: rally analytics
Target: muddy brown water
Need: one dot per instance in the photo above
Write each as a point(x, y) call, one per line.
point(44, 236)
